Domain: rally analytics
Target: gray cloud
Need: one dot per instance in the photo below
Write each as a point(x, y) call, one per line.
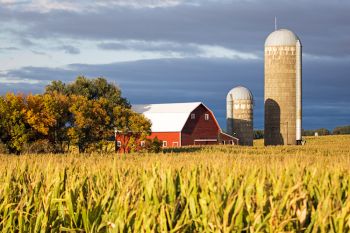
point(69, 49)
point(323, 26)
point(150, 46)
point(325, 92)
point(38, 52)
point(9, 49)
point(25, 41)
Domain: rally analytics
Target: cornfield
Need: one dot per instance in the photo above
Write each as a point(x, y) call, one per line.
point(210, 189)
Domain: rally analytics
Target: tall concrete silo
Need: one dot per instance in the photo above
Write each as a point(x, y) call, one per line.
point(239, 116)
point(283, 106)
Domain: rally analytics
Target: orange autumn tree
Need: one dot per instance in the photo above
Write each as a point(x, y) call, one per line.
point(97, 107)
point(83, 113)
point(15, 131)
point(38, 115)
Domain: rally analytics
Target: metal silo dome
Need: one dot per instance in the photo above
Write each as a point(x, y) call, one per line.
point(240, 93)
point(283, 88)
point(239, 114)
point(282, 37)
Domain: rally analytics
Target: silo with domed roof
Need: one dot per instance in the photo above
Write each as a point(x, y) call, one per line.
point(283, 85)
point(239, 118)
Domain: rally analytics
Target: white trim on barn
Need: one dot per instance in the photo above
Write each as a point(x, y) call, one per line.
point(172, 117)
point(230, 135)
point(205, 140)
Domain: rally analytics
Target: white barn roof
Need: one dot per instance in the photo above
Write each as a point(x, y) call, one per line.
point(167, 117)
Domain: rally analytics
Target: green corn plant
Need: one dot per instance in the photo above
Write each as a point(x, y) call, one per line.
point(214, 189)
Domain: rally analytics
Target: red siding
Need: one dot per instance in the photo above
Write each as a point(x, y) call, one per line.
point(170, 137)
point(124, 140)
point(200, 129)
point(228, 139)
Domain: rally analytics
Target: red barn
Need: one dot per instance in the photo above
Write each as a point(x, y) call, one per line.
point(184, 124)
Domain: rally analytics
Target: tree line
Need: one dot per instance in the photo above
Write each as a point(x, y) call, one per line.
point(322, 131)
point(258, 134)
point(83, 113)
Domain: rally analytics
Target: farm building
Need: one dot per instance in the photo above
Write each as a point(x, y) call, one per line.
point(184, 124)
point(283, 88)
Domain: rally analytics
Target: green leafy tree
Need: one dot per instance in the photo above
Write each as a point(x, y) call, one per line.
point(153, 145)
point(342, 130)
point(90, 123)
point(56, 87)
point(323, 131)
point(91, 89)
point(258, 134)
point(320, 132)
point(58, 105)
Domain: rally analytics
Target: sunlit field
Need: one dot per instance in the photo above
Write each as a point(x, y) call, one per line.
point(210, 189)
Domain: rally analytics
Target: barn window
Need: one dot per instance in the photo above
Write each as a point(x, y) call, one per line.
point(165, 143)
point(193, 116)
point(206, 116)
point(175, 144)
point(119, 143)
point(143, 143)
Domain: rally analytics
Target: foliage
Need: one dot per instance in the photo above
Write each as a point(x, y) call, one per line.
point(41, 146)
point(3, 148)
point(38, 115)
point(320, 132)
point(153, 145)
point(90, 121)
point(56, 86)
point(132, 127)
point(14, 128)
point(217, 189)
point(58, 105)
point(258, 134)
point(342, 130)
point(83, 113)
point(92, 89)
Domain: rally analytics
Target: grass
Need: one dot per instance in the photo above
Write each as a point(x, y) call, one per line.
point(209, 189)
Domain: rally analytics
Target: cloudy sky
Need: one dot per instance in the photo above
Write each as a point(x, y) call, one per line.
point(162, 51)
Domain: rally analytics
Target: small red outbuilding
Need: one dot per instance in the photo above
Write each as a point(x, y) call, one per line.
point(184, 124)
